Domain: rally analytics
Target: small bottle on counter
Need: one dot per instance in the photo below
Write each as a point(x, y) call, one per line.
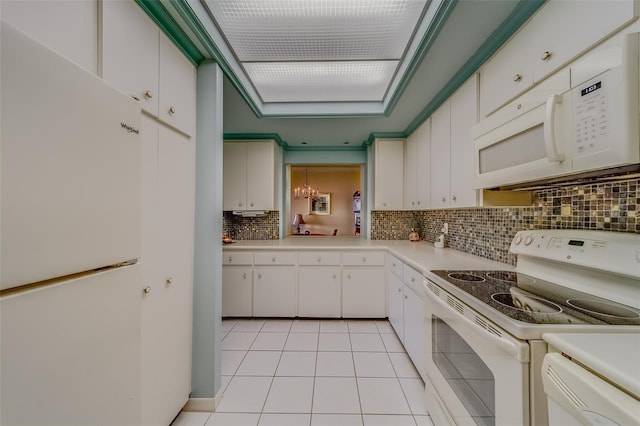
point(439, 243)
point(413, 235)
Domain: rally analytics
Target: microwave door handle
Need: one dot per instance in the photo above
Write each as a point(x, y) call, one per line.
point(550, 146)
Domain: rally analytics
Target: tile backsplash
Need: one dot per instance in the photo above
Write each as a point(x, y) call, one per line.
point(251, 228)
point(487, 231)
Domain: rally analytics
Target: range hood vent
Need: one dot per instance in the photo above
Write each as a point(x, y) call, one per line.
point(249, 213)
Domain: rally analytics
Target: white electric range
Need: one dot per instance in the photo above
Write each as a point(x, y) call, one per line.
point(484, 328)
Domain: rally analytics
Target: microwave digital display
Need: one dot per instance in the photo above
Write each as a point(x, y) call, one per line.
point(576, 243)
point(591, 89)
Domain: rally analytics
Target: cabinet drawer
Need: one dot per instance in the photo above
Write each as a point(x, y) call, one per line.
point(413, 279)
point(237, 258)
point(372, 258)
point(309, 258)
point(274, 258)
point(395, 266)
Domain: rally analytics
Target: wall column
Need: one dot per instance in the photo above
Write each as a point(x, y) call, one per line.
point(207, 267)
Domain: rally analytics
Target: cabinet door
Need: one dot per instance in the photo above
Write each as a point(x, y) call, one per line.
point(130, 58)
point(363, 293)
point(167, 308)
point(554, 46)
point(423, 181)
point(260, 176)
point(177, 88)
point(319, 292)
point(410, 170)
point(234, 193)
point(464, 113)
point(68, 27)
point(389, 176)
point(414, 329)
point(396, 302)
point(237, 291)
point(440, 156)
point(274, 291)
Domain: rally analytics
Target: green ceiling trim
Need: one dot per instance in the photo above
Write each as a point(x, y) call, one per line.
point(159, 14)
point(520, 14)
point(256, 136)
point(436, 25)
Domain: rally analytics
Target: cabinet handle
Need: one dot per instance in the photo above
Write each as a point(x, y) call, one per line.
point(273, 259)
point(517, 78)
point(148, 94)
point(413, 279)
point(406, 297)
point(244, 276)
point(348, 276)
point(334, 276)
point(453, 197)
point(259, 276)
point(170, 280)
point(399, 290)
point(172, 110)
point(364, 260)
point(239, 204)
point(418, 203)
point(546, 56)
point(319, 259)
point(443, 199)
point(230, 259)
point(384, 204)
point(147, 290)
point(394, 264)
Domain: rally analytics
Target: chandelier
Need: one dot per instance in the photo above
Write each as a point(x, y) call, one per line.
point(306, 191)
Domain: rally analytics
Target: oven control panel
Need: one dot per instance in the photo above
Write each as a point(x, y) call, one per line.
point(616, 252)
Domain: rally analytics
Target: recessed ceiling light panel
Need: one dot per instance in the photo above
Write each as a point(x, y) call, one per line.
point(321, 81)
point(303, 30)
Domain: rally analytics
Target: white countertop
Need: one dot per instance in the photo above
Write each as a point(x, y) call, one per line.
point(422, 256)
point(614, 356)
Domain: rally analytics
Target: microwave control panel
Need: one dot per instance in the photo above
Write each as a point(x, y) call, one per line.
point(590, 102)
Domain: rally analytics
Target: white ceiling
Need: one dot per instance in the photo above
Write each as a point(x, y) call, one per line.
point(284, 67)
point(319, 50)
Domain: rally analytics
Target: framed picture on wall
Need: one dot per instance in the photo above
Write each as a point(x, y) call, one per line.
point(321, 205)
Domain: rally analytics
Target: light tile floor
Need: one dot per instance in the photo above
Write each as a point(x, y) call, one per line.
point(314, 373)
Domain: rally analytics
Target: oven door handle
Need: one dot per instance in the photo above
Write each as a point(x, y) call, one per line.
point(507, 344)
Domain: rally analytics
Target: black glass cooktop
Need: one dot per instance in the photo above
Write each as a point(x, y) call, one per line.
point(535, 301)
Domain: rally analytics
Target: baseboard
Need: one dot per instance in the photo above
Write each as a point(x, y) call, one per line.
point(207, 405)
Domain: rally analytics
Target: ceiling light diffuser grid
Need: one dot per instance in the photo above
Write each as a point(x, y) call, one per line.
point(321, 81)
point(303, 30)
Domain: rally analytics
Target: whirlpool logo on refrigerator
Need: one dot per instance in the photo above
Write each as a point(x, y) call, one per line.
point(129, 129)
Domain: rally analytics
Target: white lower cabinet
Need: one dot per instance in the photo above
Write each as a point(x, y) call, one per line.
point(274, 291)
point(319, 292)
point(414, 329)
point(406, 310)
point(237, 291)
point(304, 283)
point(363, 293)
point(396, 304)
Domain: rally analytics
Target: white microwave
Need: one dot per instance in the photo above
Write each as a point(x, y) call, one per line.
point(584, 118)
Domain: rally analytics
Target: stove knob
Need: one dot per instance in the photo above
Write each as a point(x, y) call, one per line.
point(517, 239)
point(528, 240)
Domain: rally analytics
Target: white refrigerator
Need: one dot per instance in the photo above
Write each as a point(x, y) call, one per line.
point(70, 290)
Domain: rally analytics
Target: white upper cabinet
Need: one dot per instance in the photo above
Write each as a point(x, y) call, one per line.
point(464, 115)
point(416, 168)
point(388, 174)
point(451, 157)
point(250, 175)
point(143, 63)
point(68, 27)
point(439, 164)
point(546, 43)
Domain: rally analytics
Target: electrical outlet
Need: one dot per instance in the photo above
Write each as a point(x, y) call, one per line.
point(445, 228)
